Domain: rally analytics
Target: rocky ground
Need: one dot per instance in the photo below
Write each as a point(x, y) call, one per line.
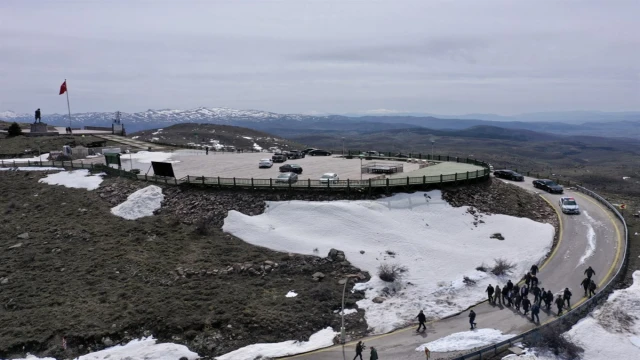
point(71, 269)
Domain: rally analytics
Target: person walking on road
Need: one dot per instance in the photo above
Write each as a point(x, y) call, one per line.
point(527, 279)
point(559, 304)
point(517, 301)
point(534, 281)
point(490, 291)
point(472, 319)
point(592, 288)
point(524, 291)
point(359, 348)
point(498, 296)
point(422, 319)
point(525, 305)
point(505, 293)
point(534, 269)
point(542, 294)
point(374, 354)
point(567, 297)
point(548, 300)
point(535, 310)
point(516, 289)
point(585, 285)
point(206, 150)
point(509, 285)
point(589, 272)
point(536, 293)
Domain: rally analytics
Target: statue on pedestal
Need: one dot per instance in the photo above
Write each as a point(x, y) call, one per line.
point(38, 117)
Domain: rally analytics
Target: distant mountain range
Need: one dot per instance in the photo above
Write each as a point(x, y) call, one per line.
point(623, 124)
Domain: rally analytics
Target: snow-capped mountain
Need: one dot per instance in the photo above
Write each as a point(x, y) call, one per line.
point(160, 118)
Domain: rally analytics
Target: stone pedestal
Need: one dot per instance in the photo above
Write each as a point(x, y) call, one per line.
point(38, 128)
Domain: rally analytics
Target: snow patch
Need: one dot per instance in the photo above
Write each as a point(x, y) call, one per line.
point(140, 204)
point(33, 168)
point(42, 157)
point(291, 294)
point(426, 236)
point(77, 179)
point(257, 147)
point(322, 338)
point(465, 340)
point(146, 157)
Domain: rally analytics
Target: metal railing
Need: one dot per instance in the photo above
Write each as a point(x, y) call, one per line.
point(271, 183)
point(575, 314)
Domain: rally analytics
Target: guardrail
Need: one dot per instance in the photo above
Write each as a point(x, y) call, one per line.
point(572, 317)
point(251, 183)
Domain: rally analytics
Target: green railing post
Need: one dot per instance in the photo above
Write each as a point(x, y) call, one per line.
point(369, 184)
point(203, 179)
point(28, 162)
point(348, 186)
point(477, 173)
point(456, 177)
point(440, 178)
point(252, 182)
point(407, 180)
point(424, 179)
point(271, 183)
point(467, 175)
point(234, 181)
point(309, 183)
point(188, 179)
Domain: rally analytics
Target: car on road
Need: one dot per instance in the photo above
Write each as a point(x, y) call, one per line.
point(318, 152)
point(287, 178)
point(294, 154)
point(401, 155)
point(279, 158)
point(548, 186)
point(370, 153)
point(569, 205)
point(329, 178)
point(306, 151)
point(265, 163)
point(508, 174)
point(291, 168)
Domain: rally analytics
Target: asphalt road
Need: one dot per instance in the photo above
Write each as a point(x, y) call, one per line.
point(593, 238)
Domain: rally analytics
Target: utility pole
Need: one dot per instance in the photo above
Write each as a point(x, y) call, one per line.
point(433, 143)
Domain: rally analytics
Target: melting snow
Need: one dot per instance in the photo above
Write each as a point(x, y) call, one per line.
point(322, 338)
point(291, 294)
point(465, 340)
point(140, 204)
point(146, 157)
point(426, 236)
point(79, 179)
point(42, 157)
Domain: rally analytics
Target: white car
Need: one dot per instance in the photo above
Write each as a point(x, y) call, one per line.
point(569, 205)
point(329, 177)
point(265, 163)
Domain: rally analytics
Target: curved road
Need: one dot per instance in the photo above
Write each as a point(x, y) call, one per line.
point(593, 238)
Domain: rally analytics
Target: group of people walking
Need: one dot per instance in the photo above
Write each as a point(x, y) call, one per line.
point(518, 296)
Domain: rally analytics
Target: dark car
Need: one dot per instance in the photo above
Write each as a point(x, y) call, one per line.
point(291, 168)
point(279, 158)
point(508, 174)
point(401, 155)
point(548, 186)
point(306, 151)
point(318, 152)
point(294, 154)
point(287, 178)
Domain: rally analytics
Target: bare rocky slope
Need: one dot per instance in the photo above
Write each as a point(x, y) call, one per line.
point(71, 269)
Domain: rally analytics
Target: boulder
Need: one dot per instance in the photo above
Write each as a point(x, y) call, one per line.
point(378, 300)
point(23, 236)
point(15, 246)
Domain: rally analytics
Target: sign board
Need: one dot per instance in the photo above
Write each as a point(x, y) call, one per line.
point(111, 158)
point(162, 169)
point(111, 150)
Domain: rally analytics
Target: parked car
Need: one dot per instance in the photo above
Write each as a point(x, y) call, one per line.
point(287, 178)
point(306, 151)
point(370, 153)
point(294, 154)
point(265, 163)
point(329, 177)
point(318, 152)
point(548, 186)
point(401, 155)
point(291, 168)
point(569, 205)
point(279, 158)
point(508, 174)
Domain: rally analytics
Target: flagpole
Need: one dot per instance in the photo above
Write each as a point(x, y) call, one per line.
point(68, 107)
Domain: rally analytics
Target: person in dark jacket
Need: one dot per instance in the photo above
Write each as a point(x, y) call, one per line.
point(490, 291)
point(535, 310)
point(206, 150)
point(517, 301)
point(505, 293)
point(542, 294)
point(524, 291)
point(536, 293)
point(509, 285)
point(534, 269)
point(585, 285)
point(559, 304)
point(589, 272)
point(498, 295)
point(516, 289)
point(527, 279)
point(534, 280)
point(567, 297)
point(592, 288)
point(359, 349)
point(526, 303)
point(374, 354)
point(548, 300)
point(422, 319)
point(472, 319)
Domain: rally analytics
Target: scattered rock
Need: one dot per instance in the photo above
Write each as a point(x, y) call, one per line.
point(15, 246)
point(361, 251)
point(23, 236)
point(497, 236)
point(107, 341)
point(378, 300)
point(342, 281)
point(4, 281)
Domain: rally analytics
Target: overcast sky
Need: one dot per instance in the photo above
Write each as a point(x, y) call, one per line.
point(297, 56)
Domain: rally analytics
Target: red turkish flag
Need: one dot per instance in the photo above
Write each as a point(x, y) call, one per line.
point(63, 88)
